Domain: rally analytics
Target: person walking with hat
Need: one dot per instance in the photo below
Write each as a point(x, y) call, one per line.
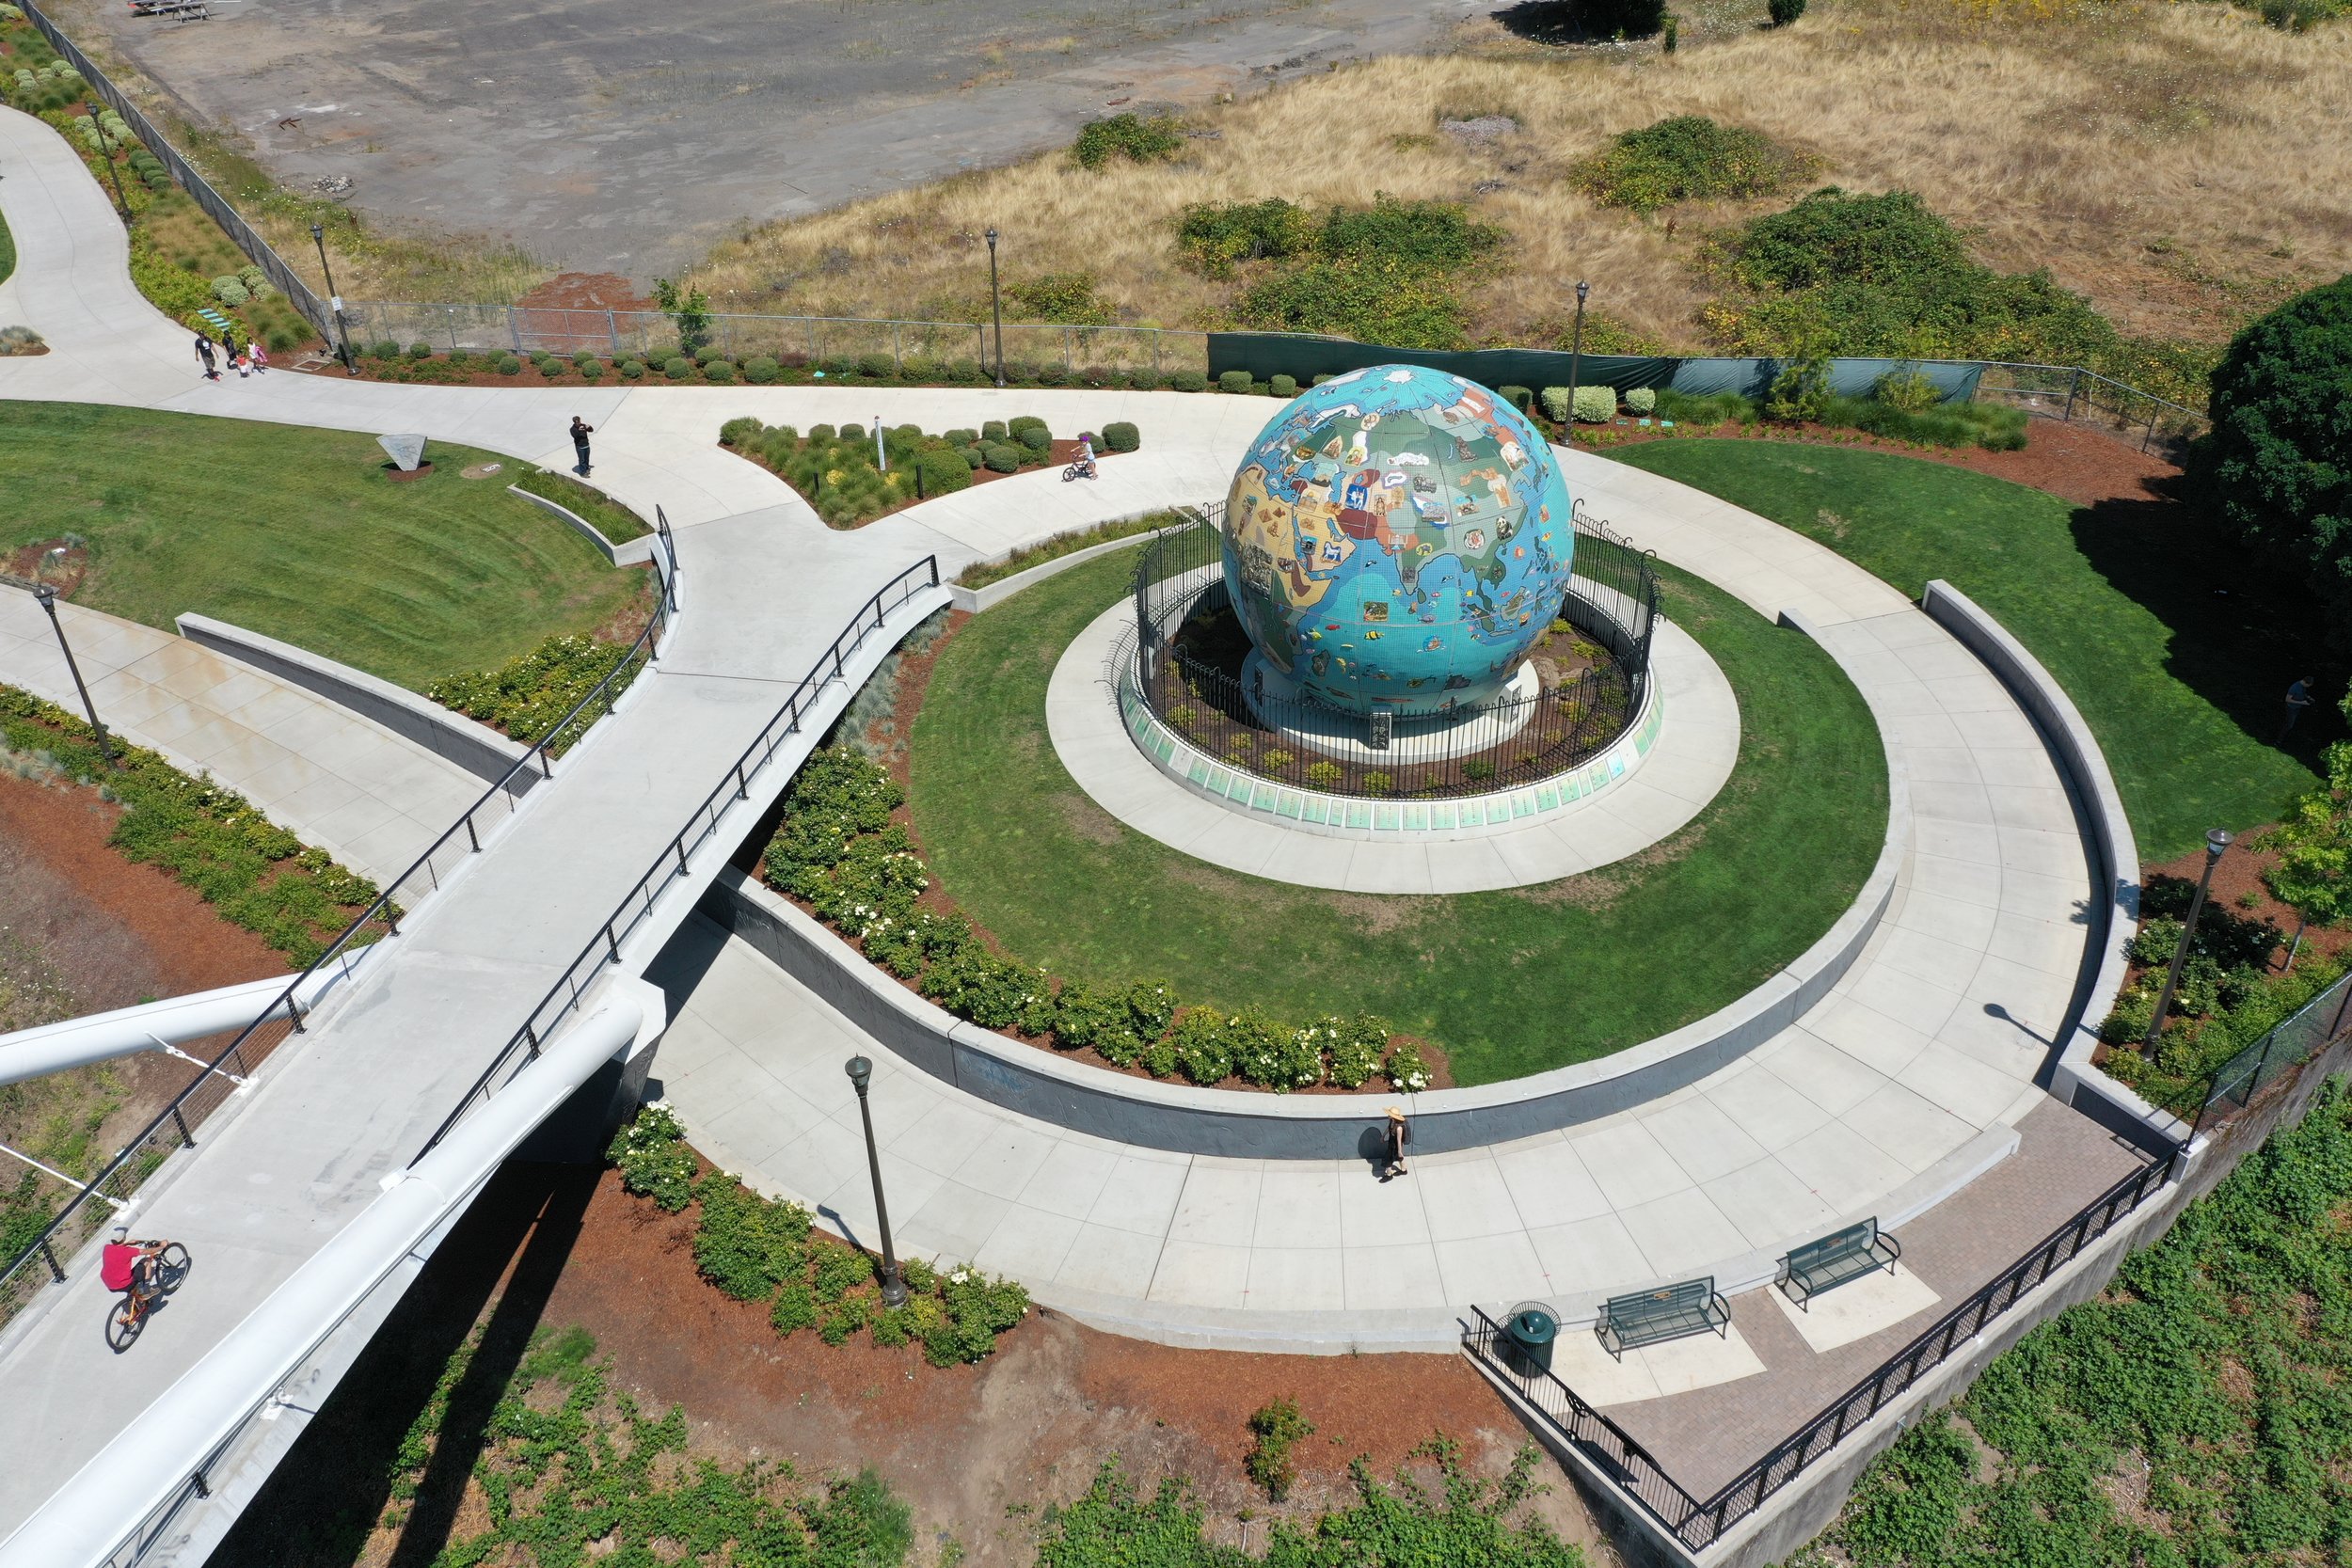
point(1399, 1135)
point(204, 358)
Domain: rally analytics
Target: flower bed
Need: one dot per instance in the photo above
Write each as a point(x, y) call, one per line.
point(254, 872)
point(754, 1249)
point(524, 697)
point(839, 853)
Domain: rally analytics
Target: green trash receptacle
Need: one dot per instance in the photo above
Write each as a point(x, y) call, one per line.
point(1527, 1337)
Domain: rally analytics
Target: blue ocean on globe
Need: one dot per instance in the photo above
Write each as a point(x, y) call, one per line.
point(1397, 538)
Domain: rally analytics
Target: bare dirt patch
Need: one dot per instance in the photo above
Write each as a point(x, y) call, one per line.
point(585, 291)
point(1090, 821)
point(61, 562)
point(978, 1452)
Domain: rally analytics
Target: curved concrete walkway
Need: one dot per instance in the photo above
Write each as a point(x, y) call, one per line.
point(1914, 1069)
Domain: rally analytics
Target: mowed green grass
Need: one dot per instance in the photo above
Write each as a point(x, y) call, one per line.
point(2126, 605)
point(300, 535)
point(1508, 983)
point(7, 258)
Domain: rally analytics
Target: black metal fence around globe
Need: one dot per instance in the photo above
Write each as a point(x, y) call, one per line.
point(1593, 676)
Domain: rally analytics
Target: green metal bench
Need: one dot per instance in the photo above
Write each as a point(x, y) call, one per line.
point(1651, 1316)
point(1837, 1258)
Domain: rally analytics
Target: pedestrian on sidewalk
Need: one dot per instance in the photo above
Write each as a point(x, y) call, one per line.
point(204, 358)
point(2299, 698)
point(243, 363)
point(1399, 1135)
point(581, 430)
point(259, 355)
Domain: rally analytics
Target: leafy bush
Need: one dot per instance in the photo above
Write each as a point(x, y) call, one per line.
point(528, 694)
point(1688, 158)
point(745, 1244)
point(720, 373)
point(679, 369)
point(761, 371)
point(1407, 1069)
point(1128, 136)
point(1784, 11)
point(1595, 404)
point(1275, 1429)
point(553, 369)
point(1215, 236)
point(941, 471)
point(1355, 1049)
point(1234, 381)
point(1036, 438)
point(653, 1159)
point(1518, 397)
point(1641, 400)
point(1909, 390)
point(509, 365)
point(1122, 435)
point(1284, 386)
point(1000, 458)
point(1065, 298)
point(1800, 391)
point(231, 292)
point(2277, 464)
point(1188, 380)
point(631, 371)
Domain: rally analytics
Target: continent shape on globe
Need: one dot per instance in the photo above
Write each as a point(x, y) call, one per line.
point(1397, 538)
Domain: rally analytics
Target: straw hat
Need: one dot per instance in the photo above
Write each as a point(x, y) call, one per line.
point(1396, 1113)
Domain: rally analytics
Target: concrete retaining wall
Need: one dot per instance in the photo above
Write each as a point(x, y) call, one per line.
point(476, 747)
point(630, 552)
point(974, 600)
point(2115, 916)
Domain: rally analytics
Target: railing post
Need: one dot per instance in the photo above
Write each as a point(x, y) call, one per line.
point(472, 837)
point(514, 330)
point(392, 917)
point(612, 941)
point(56, 1275)
point(2073, 386)
point(531, 1038)
point(742, 784)
point(187, 1140)
point(681, 841)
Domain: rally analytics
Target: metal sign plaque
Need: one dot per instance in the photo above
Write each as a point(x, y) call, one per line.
point(406, 451)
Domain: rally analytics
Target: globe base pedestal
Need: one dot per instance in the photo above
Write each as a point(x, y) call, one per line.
point(1278, 701)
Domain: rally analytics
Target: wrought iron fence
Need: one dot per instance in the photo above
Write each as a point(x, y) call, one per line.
point(2240, 1081)
point(604, 948)
point(878, 346)
point(1477, 749)
point(176, 1124)
point(1697, 1522)
point(256, 249)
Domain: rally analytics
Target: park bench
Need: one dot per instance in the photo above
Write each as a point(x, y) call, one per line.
point(1837, 1258)
point(1652, 1317)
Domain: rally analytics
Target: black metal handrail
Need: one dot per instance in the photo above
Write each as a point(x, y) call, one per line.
point(232, 1060)
point(672, 860)
point(1698, 1523)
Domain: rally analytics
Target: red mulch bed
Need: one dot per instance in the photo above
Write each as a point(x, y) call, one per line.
point(585, 291)
point(977, 1451)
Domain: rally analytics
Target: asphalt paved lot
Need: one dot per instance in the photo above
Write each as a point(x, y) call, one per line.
point(621, 135)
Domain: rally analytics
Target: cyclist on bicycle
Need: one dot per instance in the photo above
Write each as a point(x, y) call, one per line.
point(128, 1267)
point(1086, 454)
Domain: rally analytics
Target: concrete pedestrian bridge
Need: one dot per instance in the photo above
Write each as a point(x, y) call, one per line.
point(1895, 1082)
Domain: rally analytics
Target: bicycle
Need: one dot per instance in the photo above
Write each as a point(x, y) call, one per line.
point(144, 1271)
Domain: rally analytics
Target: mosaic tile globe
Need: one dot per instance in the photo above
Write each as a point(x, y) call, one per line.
point(1397, 538)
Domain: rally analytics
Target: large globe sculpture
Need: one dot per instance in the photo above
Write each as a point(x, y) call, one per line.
point(1397, 538)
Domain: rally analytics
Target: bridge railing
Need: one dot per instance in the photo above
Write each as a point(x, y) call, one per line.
point(175, 1127)
point(604, 948)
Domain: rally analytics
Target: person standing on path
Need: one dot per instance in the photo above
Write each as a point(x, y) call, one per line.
point(204, 358)
point(259, 355)
point(581, 430)
point(1399, 1135)
point(2299, 698)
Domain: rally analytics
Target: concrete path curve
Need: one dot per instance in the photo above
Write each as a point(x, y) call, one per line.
point(1926, 1051)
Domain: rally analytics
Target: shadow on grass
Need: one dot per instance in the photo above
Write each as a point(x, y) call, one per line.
point(320, 1507)
point(1563, 22)
point(2242, 627)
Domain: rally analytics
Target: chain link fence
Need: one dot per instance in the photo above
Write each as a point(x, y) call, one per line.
point(256, 249)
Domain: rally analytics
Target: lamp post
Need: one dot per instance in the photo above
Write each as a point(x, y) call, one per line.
point(334, 300)
point(106, 155)
point(1576, 353)
point(2217, 842)
point(48, 597)
point(997, 308)
point(894, 1289)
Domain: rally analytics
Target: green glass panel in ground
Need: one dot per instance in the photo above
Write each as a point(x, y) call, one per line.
point(298, 534)
point(2184, 688)
point(1509, 983)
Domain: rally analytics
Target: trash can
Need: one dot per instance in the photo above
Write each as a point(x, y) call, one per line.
point(1527, 1337)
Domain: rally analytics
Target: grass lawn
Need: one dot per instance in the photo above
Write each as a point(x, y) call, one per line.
point(2182, 681)
point(8, 257)
point(298, 534)
point(1507, 983)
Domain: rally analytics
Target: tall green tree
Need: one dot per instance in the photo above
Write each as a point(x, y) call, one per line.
point(2314, 873)
point(2278, 465)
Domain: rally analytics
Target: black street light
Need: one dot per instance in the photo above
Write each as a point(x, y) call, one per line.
point(996, 306)
point(2217, 842)
point(48, 597)
point(894, 1289)
point(106, 155)
point(1576, 353)
point(334, 301)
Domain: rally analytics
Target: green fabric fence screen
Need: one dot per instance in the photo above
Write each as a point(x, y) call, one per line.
point(1267, 354)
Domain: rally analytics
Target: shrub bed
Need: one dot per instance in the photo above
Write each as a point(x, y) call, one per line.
point(526, 696)
point(751, 1248)
point(616, 522)
point(841, 854)
point(255, 872)
point(980, 574)
point(836, 472)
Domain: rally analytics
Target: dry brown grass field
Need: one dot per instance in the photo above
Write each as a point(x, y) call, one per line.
point(2181, 164)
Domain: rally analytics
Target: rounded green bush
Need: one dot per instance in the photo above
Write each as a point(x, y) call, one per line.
point(992, 430)
point(631, 371)
point(1284, 386)
point(1122, 435)
point(553, 369)
point(591, 371)
point(1036, 438)
point(881, 367)
point(679, 369)
point(761, 371)
point(720, 373)
point(961, 438)
point(940, 472)
point(281, 340)
point(707, 353)
point(509, 365)
point(919, 368)
point(419, 351)
point(1053, 376)
point(821, 435)
point(1189, 381)
point(230, 292)
point(1234, 381)
point(974, 454)
point(966, 370)
point(384, 349)
point(459, 356)
point(1144, 379)
point(1001, 459)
